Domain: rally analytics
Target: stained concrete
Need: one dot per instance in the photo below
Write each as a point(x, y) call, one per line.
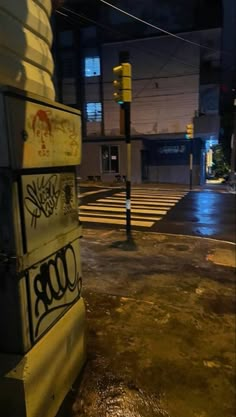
point(161, 327)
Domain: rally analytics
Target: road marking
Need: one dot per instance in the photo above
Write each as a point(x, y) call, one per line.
point(84, 213)
point(174, 190)
point(141, 206)
point(153, 195)
point(93, 206)
point(92, 192)
point(146, 208)
point(116, 221)
point(133, 201)
point(147, 198)
point(158, 191)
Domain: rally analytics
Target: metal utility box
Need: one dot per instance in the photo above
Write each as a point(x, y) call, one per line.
point(40, 145)
point(37, 134)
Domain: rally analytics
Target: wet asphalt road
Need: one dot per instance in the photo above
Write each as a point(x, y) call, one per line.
point(199, 213)
point(206, 214)
point(160, 315)
point(161, 327)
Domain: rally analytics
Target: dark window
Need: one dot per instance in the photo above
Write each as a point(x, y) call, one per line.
point(66, 38)
point(110, 158)
point(68, 64)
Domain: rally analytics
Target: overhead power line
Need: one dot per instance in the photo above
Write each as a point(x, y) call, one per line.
point(164, 64)
point(108, 28)
point(82, 16)
point(63, 14)
point(159, 28)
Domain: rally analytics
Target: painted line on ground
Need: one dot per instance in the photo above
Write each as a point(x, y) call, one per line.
point(92, 192)
point(161, 192)
point(133, 201)
point(139, 205)
point(171, 197)
point(176, 196)
point(116, 221)
point(147, 198)
point(135, 210)
point(122, 216)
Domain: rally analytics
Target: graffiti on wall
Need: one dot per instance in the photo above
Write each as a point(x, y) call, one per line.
point(55, 284)
point(45, 126)
point(42, 129)
point(49, 137)
point(42, 197)
point(54, 134)
point(50, 206)
point(68, 194)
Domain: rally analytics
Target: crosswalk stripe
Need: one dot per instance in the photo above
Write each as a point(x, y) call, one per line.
point(176, 196)
point(116, 221)
point(147, 207)
point(148, 198)
point(156, 191)
point(133, 201)
point(134, 216)
point(92, 192)
point(133, 205)
point(93, 206)
point(143, 191)
point(147, 191)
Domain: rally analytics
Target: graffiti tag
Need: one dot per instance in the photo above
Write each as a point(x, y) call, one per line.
point(56, 277)
point(42, 129)
point(42, 198)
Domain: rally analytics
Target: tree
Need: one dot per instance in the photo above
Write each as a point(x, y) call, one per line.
point(220, 164)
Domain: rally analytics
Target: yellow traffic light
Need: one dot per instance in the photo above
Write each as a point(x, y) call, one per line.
point(190, 131)
point(122, 83)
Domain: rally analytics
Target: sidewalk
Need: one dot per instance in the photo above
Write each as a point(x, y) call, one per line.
point(161, 327)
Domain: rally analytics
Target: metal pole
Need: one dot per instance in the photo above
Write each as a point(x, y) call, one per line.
point(191, 166)
point(126, 107)
point(233, 147)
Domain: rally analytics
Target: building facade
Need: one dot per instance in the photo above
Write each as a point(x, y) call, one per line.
point(175, 83)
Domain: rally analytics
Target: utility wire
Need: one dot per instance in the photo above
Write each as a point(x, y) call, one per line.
point(159, 71)
point(169, 58)
point(159, 28)
point(63, 14)
point(86, 18)
point(146, 51)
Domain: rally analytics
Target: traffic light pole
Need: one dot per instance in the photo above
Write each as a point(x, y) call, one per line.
point(123, 96)
point(126, 108)
point(191, 165)
point(233, 148)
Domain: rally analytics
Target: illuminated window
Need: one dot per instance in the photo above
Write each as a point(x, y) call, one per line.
point(92, 67)
point(94, 112)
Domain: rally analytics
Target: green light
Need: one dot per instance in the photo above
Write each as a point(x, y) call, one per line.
point(120, 102)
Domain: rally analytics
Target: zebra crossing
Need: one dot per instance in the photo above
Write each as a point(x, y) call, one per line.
point(148, 206)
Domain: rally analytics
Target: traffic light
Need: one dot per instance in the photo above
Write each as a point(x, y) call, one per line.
point(190, 131)
point(122, 83)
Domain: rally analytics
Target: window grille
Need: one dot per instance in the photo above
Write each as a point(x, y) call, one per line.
point(94, 112)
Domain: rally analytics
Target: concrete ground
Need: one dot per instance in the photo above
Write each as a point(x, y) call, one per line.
point(161, 327)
